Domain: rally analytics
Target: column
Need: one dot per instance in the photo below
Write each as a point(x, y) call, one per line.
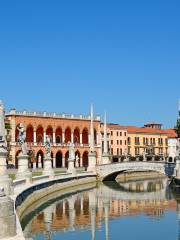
point(72, 137)
point(34, 136)
point(44, 139)
point(81, 138)
point(81, 162)
point(63, 137)
point(63, 161)
point(54, 138)
point(54, 162)
point(92, 131)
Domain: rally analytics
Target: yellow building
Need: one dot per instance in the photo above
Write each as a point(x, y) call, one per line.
point(149, 140)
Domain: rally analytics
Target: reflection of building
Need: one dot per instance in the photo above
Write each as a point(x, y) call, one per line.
point(61, 128)
point(77, 212)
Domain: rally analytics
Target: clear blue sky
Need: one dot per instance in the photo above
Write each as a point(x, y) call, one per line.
point(124, 56)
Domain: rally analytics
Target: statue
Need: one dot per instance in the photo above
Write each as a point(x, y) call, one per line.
point(144, 155)
point(77, 161)
point(22, 138)
point(71, 151)
point(48, 146)
point(2, 127)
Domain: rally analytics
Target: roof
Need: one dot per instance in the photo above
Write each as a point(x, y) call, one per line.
point(116, 127)
point(134, 129)
point(171, 133)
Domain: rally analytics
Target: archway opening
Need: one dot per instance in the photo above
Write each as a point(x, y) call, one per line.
point(67, 135)
point(76, 136)
point(59, 159)
point(29, 134)
point(85, 136)
point(58, 135)
point(39, 134)
point(77, 157)
point(40, 159)
point(85, 159)
point(66, 159)
point(49, 132)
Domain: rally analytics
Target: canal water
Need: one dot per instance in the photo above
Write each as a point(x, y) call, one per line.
point(142, 210)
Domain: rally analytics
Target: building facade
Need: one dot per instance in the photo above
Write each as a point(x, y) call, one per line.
point(118, 141)
point(61, 128)
point(149, 140)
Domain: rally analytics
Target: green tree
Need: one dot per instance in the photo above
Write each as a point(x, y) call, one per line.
point(177, 128)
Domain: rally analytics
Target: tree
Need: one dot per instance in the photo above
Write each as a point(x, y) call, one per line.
point(177, 128)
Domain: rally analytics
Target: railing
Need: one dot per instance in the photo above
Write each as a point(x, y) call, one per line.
point(54, 115)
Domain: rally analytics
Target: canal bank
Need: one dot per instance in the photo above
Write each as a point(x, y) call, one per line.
point(27, 194)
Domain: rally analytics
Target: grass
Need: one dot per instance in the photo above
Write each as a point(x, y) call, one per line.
point(34, 174)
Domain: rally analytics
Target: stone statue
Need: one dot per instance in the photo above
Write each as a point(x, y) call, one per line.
point(22, 138)
point(71, 151)
point(144, 155)
point(48, 146)
point(77, 161)
point(2, 127)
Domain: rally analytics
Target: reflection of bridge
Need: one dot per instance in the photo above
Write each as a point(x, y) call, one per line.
point(119, 192)
point(108, 172)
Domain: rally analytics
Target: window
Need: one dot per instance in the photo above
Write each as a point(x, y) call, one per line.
point(120, 151)
point(117, 133)
point(137, 141)
point(112, 151)
point(125, 134)
point(117, 151)
point(125, 142)
point(129, 140)
point(117, 142)
point(120, 142)
point(111, 142)
point(120, 133)
point(111, 133)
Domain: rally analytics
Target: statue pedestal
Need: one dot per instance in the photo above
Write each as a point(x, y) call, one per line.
point(23, 170)
point(48, 167)
point(106, 158)
point(7, 217)
point(71, 169)
point(92, 161)
point(5, 181)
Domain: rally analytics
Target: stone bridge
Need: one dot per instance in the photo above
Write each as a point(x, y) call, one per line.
point(108, 172)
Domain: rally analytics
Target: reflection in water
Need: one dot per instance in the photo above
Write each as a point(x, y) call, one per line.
point(93, 212)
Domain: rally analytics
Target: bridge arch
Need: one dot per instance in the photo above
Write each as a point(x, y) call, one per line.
point(109, 172)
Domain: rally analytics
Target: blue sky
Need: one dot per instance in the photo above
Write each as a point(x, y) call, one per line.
point(124, 56)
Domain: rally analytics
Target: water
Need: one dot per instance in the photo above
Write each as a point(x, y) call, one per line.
point(142, 210)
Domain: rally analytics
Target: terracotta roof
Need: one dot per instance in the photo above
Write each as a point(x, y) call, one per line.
point(134, 129)
point(171, 133)
point(116, 126)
